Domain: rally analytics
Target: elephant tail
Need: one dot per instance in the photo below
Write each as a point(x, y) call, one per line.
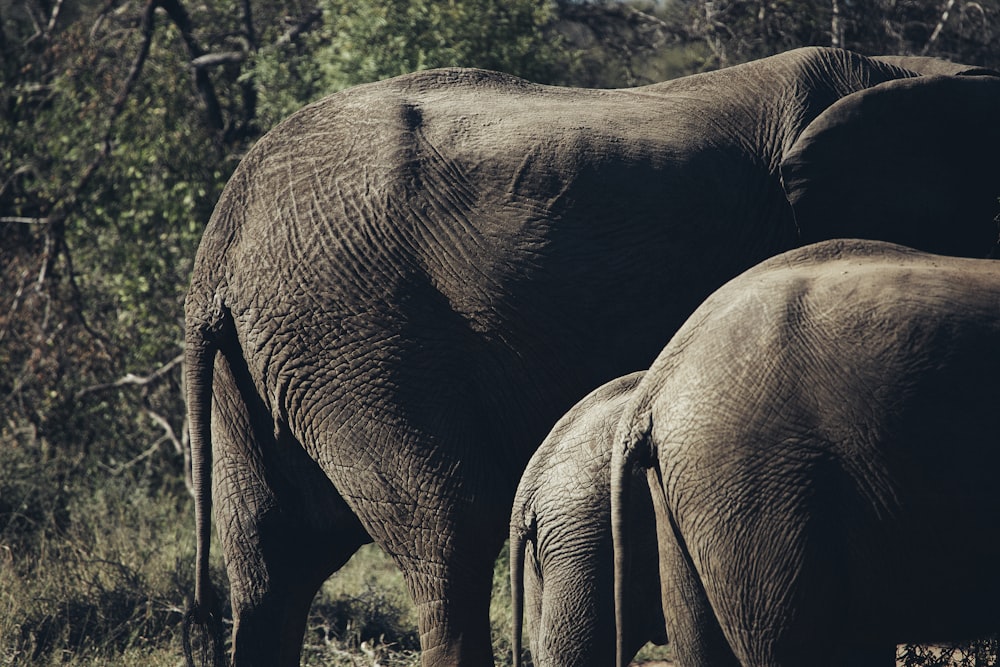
point(201, 346)
point(632, 450)
point(519, 536)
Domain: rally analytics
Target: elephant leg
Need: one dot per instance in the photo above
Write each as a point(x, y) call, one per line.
point(691, 625)
point(781, 587)
point(284, 529)
point(268, 628)
point(286, 566)
point(450, 580)
point(453, 615)
point(443, 524)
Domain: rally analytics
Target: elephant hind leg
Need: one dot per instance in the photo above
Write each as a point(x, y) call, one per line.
point(270, 632)
point(453, 610)
point(691, 625)
point(284, 528)
point(286, 571)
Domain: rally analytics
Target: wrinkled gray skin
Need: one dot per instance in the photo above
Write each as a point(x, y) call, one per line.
point(822, 448)
point(562, 571)
point(927, 65)
point(404, 286)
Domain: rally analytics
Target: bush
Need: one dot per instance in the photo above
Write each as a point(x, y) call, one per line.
point(92, 566)
point(979, 653)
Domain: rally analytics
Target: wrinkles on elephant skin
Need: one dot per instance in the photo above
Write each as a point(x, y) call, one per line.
point(417, 301)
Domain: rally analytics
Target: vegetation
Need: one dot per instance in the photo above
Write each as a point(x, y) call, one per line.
point(120, 121)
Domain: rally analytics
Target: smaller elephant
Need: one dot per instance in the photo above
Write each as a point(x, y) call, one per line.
point(560, 542)
point(821, 446)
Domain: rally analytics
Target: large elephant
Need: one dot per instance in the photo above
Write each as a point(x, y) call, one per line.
point(822, 452)
point(405, 284)
point(560, 542)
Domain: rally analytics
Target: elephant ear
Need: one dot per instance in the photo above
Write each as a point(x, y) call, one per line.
point(926, 65)
point(912, 161)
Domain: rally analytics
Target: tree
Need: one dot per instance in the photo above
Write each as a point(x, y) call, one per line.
point(358, 42)
point(736, 31)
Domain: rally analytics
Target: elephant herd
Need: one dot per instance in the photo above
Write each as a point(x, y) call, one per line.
point(768, 284)
point(800, 469)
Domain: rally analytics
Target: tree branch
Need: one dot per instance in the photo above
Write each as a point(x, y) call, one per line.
point(181, 445)
point(54, 18)
point(938, 28)
point(131, 379)
point(248, 29)
point(148, 23)
point(179, 16)
point(301, 27)
point(122, 467)
point(20, 220)
point(216, 59)
point(15, 304)
point(836, 25)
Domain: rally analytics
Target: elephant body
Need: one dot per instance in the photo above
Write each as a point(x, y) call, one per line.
point(404, 285)
point(822, 451)
point(928, 65)
point(560, 542)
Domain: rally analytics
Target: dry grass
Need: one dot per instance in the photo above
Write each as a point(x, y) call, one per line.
point(96, 569)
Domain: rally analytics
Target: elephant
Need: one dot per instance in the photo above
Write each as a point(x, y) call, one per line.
point(405, 284)
point(928, 65)
point(561, 562)
point(820, 443)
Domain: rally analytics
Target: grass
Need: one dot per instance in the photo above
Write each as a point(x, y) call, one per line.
point(363, 613)
point(97, 569)
point(91, 568)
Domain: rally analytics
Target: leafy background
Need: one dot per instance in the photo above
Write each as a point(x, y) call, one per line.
point(119, 125)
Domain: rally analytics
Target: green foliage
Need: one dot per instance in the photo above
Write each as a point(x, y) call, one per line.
point(91, 567)
point(287, 77)
point(96, 291)
point(374, 40)
point(360, 42)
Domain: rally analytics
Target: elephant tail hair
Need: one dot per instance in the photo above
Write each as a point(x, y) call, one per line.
point(519, 536)
point(633, 449)
point(201, 346)
point(210, 650)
